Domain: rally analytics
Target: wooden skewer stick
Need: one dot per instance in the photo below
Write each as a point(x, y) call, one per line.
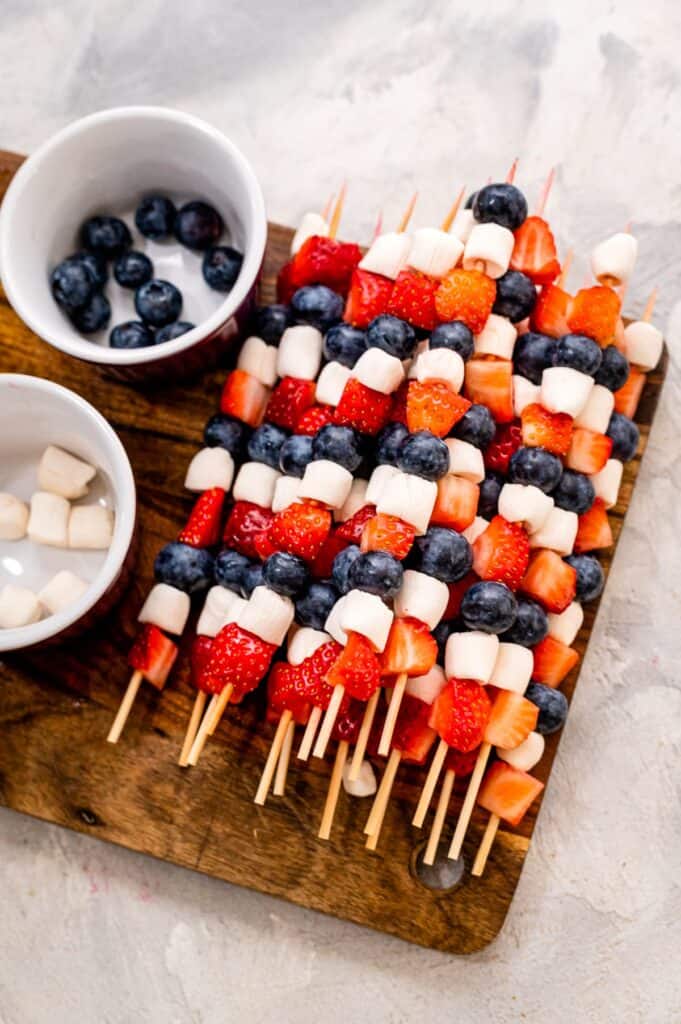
point(309, 734)
point(650, 306)
point(217, 701)
point(219, 708)
point(192, 728)
point(334, 790)
point(469, 801)
point(373, 828)
point(379, 226)
point(279, 788)
point(391, 717)
point(337, 211)
point(272, 758)
point(510, 177)
point(456, 206)
point(565, 269)
point(406, 216)
point(363, 736)
point(326, 212)
point(125, 707)
point(543, 198)
point(485, 846)
point(324, 734)
point(430, 784)
point(439, 819)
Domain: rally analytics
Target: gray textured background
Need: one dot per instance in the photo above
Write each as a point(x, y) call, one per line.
point(397, 95)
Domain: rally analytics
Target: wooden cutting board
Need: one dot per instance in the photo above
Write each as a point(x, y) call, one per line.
point(56, 706)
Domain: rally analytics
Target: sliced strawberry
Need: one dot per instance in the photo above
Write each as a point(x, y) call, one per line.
point(502, 553)
point(511, 721)
point(508, 792)
point(153, 654)
point(352, 529)
point(388, 533)
point(368, 297)
point(300, 529)
point(550, 580)
point(326, 261)
point(629, 395)
point(203, 526)
point(411, 648)
point(323, 564)
point(413, 736)
point(595, 312)
point(594, 531)
point(313, 419)
point(456, 594)
point(433, 406)
point(507, 439)
point(588, 451)
point(245, 523)
point(289, 400)
point(461, 764)
point(244, 398)
point(552, 661)
point(348, 721)
point(199, 656)
point(363, 408)
point(550, 312)
point(460, 714)
point(457, 503)
point(313, 671)
point(544, 429)
point(238, 658)
point(488, 382)
point(357, 668)
point(466, 295)
point(534, 251)
point(413, 299)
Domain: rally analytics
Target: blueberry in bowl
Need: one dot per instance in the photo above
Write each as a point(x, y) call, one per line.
point(93, 316)
point(198, 225)
point(221, 267)
point(172, 331)
point(158, 302)
point(131, 334)
point(155, 217)
point(133, 269)
point(107, 237)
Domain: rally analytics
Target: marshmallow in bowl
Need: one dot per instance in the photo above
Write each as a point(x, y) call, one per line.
point(61, 473)
point(63, 590)
point(48, 522)
point(19, 606)
point(90, 527)
point(13, 517)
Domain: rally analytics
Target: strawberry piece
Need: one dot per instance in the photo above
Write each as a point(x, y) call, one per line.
point(238, 658)
point(411, 648)
point(433, 406)
point(357, 668)
point(245, 523)
point(534, 251)
point(398, 413)
point(313, 671)
point(511, 720)
point(629, 395)
point(388, 533)
point(457, 503)
point(588, 451)
point(456, 593)
point(313, 419)
point(283, 692)
point(461, 764)
point(595, 312)
point(544, 429)
point(508, 792)
point(413, 299)
point(368, 297)
point(413, 736)
point(552, 661)
point(300, 529)
point(507, 439)
point(153, 654)
point(352, 529)
point(326, 261)
point(488, 382)
point(348, 721)
point(550, 580)
point(550, 312)
point(466, 295)
point(203, 526)
point(323, 563)
point(363, 408)
point(460, 714)
point(244, 398)
point(502, 553)
point(264, 546)
point(289, 400)
point(593, 531)
point(286, 285)
point(199, 656)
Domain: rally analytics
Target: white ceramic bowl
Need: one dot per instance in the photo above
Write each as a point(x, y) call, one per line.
point(106, 163)
point(33, 414)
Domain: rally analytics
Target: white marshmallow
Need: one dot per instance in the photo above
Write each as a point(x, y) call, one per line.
point(91, 527)
point(427, 688)
point(327, 482)
point(304, 643)
point(410, 498)
point(565, 390)
point(439, 364)
point(607, 482)
point(558, 532)
point(378, 481)
point(48, 520)
point(234, 611)
point(421, 597)
point(166, 607)
point(464, 222)
point(379, 370)
point(62, 473)
point(259, 360)
point(300, 352)
point(268, 615)
point(523, 503)
point(311, 224)
point(210, 467)
point(255, 482)
point(13, 517)
point(513, 668)
point(596, 413)
point(332, 626)
point(216, 608)
point(19, 606)
point(643, 344)
point(434, 252)
point(490, 244)
point(471, 656)
point(527, 754)
point(565, 626)
point(613, 260)
point(355, 500)
point(63, 590)
point(331, 383)
point(524, 393)
point(366, 614)
point(365, 783)
point(286, 492)
point(472, 532)
point(387, 254)
point(497, 338)
point(465, 460)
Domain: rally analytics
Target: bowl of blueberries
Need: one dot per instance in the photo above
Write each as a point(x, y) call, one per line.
point(133, 239)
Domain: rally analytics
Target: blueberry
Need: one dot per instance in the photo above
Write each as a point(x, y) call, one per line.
point(424, 455)
point(476, 426)
point(158, 302)
point(377, 572)
point(614, 370)
point(516, 296)
point(344, 344)
point(155, 217)
point(73, 284)
point(535, 466)
point(342, 563)
point(531, 624)
point(490, 489)
point(444, 554)
point(229, 569)
point(108, 237)
point(187, 568)
point(532, 355)
point(468, 205)
point(133, 269)
point(223, 432)
point(285, 574)
point(295, 454)
point(574, 493)
point(172, 331)
point(270, 322)
point(624, 435)
point(394, 336)
point(388, 443)
point(488, 606)
point(553, 707)
point(590, 576)
point(265, 444)
point(95, 265)
point(93, 316)
point(338, 444)
point(131, 334)
point(198, 225)
point(252, 578)
point(578, 352)
point(317, 305)
point(454, 335)
point(500, 204)
point(314, 607)
point(441, 635)
point(221, 267)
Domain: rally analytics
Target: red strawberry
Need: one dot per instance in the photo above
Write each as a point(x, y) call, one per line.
point(433, 406)
point(323, 563)
point(629, 395)
point(588, 451)
point(456, 593)
point(153, 654)
point(283, 691)
point(326, 261)
point(199, 656)
point(507, 439)
point(348, 721)
point(244, 398)
point(352, 529)
point(508, 792)
point(502, 553)
point(203, 526)
point(550, 580)
point(411, 648)
point(457, 503)
point(300, 529)
point(413, 299)
point(238, 658)
point(594, 531)
point(511, 721)
point(488, 382)
point(363, 408)
point(534, 251)
point(286, 285)
point(289, 400)
point(313, 672)
point(313, 419)
point(544, 429)
point(388, 533)
point(398, 413)
point(245, 522)
point(413, 736)
point(368, 297)
point(552, 661)
point(461, 764)
point(595, 312)
point(357, 668)
point(466, 295)
point(460, 713)
point(263, 545)
point(550, 312)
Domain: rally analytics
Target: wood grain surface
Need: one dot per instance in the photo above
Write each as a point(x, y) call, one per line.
point(56, 706)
